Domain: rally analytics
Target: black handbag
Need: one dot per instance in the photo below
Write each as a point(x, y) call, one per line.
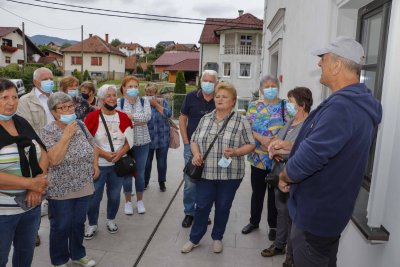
point(125, 165)
point(194, 171)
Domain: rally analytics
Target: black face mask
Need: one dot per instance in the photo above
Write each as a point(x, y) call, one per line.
point(110, 108)
point(85, 96)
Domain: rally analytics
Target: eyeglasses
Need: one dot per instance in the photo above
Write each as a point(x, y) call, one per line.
point(66, 108)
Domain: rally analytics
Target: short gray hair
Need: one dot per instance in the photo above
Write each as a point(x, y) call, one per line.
point(210, 73)
point(269, 77)
point(102, 91)
point(39, 71)
point(348, 64)
point(152, 87)
point(58, 98)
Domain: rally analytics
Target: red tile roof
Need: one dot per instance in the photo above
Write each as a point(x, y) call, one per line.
point(130, 63)
point(210, 34)
point(173, 57)
point(191, 64)
point(94, 44)
point(177, 47)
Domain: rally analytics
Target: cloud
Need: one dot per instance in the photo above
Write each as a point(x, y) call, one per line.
point(219, 10)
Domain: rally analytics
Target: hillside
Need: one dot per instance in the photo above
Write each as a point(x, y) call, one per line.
point(44, 39)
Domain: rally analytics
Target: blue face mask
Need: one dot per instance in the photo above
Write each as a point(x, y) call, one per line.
point(6, 117)
point(270, 93)
point(291, 109)
point(132, 92)
point(207, 87)
point(73, 92)
point(67, 119)
point(47, 86)
point(224, 162)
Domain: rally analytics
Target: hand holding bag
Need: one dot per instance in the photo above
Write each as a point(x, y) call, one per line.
point(174, 141)
point(125, 165)
point(194, 171)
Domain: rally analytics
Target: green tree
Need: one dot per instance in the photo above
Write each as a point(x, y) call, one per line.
point(180, 92)
point(139, 70)
point(65, 45)
point(86, 76)
point(116, 42)
point(77, 74)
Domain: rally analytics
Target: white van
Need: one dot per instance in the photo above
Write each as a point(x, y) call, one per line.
point(20, 86)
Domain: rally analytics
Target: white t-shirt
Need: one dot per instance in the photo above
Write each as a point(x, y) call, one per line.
point(117, 137)
point(43, 101)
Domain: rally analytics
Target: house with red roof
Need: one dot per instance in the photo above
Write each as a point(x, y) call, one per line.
point(100, 58)
point(12, 47)
point(132, 49)
point(169, 63)
point(232, 47)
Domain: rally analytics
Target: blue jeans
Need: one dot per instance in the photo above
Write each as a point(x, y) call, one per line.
point(189, 190)
point(67, 227)
point(141, 153)
point(161, 157)
point(114, 185)
point(19, 230)
point(208, 192)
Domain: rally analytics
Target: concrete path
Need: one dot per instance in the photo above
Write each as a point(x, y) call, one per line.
point(129, 246)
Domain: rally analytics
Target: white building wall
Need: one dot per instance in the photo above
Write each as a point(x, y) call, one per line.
point(208, 53)
point(17, 55)
point(310, 25)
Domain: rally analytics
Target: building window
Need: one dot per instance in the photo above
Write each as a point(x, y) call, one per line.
point(244, 70)
point(96, 61)
point(76, 60)
point(7, 42)
point(245, 39)
point(20, 46)
point(8, 60)
point(211, 66)
point(227, 69)
point(20, 61)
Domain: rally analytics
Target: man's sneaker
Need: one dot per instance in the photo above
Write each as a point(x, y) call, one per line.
point(187, 221)
point(140, 207)
point(189, 246)
point(85, 261)
point(112, 226)
point(90, 232)
point(128, 208)
point(272, 251)
point(44, 208)
point(217, 246)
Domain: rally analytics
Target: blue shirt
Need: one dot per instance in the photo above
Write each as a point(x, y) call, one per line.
point(195, 107)
point(159, 127)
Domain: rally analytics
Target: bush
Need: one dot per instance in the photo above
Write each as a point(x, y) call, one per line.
point(148, 77)
point(180, 90)
point(86, 76)
point(77, 74)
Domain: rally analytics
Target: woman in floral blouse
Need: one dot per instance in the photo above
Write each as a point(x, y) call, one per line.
point(139, 111)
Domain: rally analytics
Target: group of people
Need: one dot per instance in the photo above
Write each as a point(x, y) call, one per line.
point(67, 143)
point(310, 164)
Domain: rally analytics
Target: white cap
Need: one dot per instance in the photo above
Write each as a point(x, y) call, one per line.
point(345, 47)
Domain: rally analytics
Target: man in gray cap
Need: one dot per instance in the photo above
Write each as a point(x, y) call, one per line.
point(327, 163)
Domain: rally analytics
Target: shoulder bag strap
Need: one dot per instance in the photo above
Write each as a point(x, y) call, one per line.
point(283, 110)
point(108, 133)
point(121, 103)
point(82, 128)
point(222, 128)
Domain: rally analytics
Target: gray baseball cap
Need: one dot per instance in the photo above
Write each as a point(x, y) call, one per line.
point(345, 47)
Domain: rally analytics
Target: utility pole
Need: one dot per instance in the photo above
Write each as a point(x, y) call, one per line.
point(82, 53)
point(24, 45)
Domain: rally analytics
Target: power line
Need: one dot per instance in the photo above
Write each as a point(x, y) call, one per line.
point(37, 23)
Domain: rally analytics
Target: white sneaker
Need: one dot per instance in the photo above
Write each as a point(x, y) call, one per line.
point(44, 208)
point(189, 246)
point(112, 226)
point(85, 261)
point(128, 208)
point(217, 246)
point(90, 232)
point(140, 207)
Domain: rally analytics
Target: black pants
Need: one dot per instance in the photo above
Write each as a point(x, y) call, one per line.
point(313, 251)
point(259, 186)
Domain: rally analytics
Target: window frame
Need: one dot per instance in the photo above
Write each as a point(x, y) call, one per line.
point(98, 63)
point(75, 60)
point(223, 70)
point(247, 40)
point(240, 70)
point(7, 60)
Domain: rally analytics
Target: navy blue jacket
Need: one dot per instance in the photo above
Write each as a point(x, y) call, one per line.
point(328, 160)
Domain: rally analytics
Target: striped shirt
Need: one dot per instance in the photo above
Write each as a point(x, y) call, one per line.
point(236, 134)
point(10, 163)
point(140, 114)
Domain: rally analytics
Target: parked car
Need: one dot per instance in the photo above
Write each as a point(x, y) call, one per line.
point(20, 86)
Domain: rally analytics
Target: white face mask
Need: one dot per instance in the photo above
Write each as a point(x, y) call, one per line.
point(224, 162)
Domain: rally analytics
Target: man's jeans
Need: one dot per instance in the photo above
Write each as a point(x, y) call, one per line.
point(189, 190)
point(67, 227)
point(19, 230)
point(114, 185)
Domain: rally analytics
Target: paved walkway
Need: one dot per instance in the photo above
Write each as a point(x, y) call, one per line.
point(129, 247)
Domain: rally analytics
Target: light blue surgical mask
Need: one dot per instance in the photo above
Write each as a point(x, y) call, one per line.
point(73, 92)
point(47, 86)
point(67, 119)
point(270, 93)
point(207, 87)
point(224, 162)
point(291, 109)
point(6, 117)
point(132, 92)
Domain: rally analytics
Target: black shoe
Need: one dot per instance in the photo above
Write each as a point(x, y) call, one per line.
point(162, 186)
point(249, 228)
point(146, 186)
point(187, 221)
point(288, 262)
point(209, 222)
point(272, 251)
point(37, 243)
point(272, 234)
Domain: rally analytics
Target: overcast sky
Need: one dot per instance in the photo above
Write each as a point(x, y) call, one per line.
point(147, 33)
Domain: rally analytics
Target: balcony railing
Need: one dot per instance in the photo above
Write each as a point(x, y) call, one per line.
point(242, 50)
point(9, 49)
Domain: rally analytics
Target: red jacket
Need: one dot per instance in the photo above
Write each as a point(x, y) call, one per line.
point(92, 121)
